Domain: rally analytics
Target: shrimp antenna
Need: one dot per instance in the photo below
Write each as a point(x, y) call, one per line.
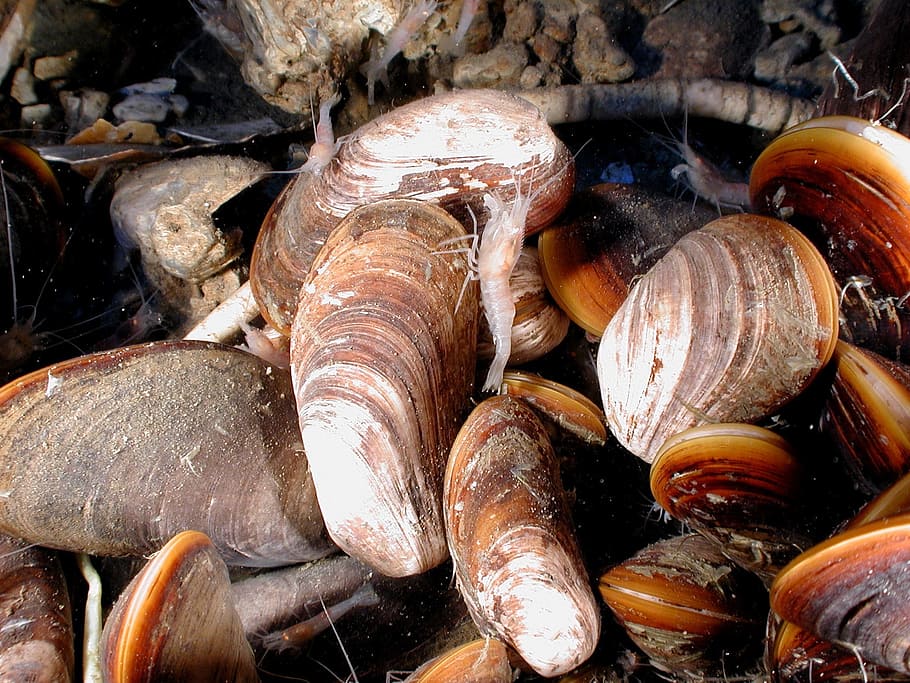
point(9, 240)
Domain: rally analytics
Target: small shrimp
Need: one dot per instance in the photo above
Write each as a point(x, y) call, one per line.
point(453, 45)
point(324, 146)
point(293, 637)
point(705, 180)
point(497, 253)
point(377, 66)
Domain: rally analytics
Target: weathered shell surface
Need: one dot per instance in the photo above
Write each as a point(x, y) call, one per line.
point(516, 559)
point(734, 321)
point(36, 627)
point(114, 453)
point(609, 235)
point(176, 621)
point(383, 367)
point(449, 149)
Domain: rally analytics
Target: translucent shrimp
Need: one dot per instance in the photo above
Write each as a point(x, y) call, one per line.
point(377, 66)
point(497, 253)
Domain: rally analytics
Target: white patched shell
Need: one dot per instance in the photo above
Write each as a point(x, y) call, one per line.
point(733, 322)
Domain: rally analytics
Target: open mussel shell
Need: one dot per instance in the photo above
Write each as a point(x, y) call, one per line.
point(485, 660)
point(684, 604)
point(449, 149)
point(733, 322)
point(113, 453)
point(737, 484)
point(609, 235)
point(570, 410)
point(36, 628)
point(383, 367)
point(176, 621)
point(845, 182)
point(539, 325)
point(517, 561)
point(854, 589)
point(867, 416)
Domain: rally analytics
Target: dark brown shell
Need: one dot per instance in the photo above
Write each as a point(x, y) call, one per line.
point(383, 367)
point(512, 542)
point(854, 589)
point(36, 628)
point(114, 453)
point(867, 416)
point(176, 621)
point(448, 149)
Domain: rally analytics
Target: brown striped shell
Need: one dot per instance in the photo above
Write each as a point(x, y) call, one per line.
point(176, 621)
point(383, 367)
point(448, 149)
point(733, 322)
point(512, 542)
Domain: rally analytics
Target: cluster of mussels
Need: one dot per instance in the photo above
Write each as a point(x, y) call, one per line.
point(360, 460)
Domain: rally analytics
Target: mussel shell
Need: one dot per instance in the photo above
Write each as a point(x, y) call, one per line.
point(36, 627)
point(479, 661)
point(733, 322)
point(114, 453)
point(176, 621)
point(512, 541)
point(449, 149)
point(570, 410)
point(845, 182)
point(853, 589)
point(877, 62)
point(737, 484)
point(383, 367)
point(683, 603)
point(867, 416)
point(609, 235)
point(795, 655)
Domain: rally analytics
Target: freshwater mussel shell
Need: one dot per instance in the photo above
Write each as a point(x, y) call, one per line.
point(449, 149)
point(739, 485)
point(853, 589)
point(845, 182)
point(113, 453)
point(867, 416)
point(609, 235)
point(570, 410)
point(683, 604)
point(383, 368)
point(512, 541)
point(479, 661)
point(732, 323)
point(176, 621)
